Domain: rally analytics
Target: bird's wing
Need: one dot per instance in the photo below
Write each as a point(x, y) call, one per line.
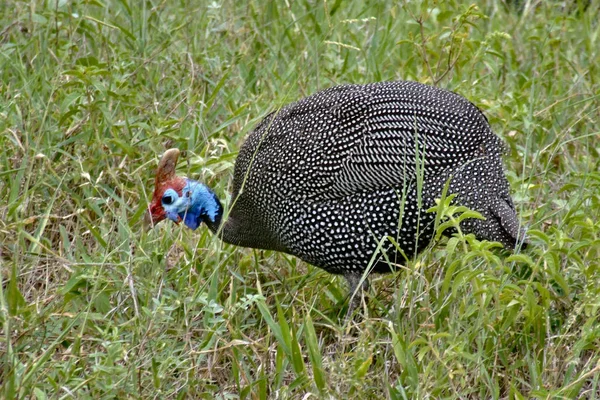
point(355, 138)
point(390, 135)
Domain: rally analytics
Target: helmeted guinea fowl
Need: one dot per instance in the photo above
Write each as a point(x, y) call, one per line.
point(331, 177)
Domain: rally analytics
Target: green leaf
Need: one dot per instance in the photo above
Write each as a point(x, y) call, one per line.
point(404, 357)
point(39, 394)
point(314, 353)
point(102, 302)
point(297, 355)
point(522, 258)
point(363, 368)
point(275, 328)
point(14, 298)
point(88, 61)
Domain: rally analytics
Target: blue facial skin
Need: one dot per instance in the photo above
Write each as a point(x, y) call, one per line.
point(197, 203)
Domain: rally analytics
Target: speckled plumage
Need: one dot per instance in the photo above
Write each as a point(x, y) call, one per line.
point(326, 178)
point(333, 176)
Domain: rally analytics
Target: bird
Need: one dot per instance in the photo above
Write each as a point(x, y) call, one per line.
point(343, 179)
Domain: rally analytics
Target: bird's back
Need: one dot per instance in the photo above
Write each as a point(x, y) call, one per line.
point(327, 177)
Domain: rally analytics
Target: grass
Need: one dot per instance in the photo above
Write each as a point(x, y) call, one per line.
point(93, 91)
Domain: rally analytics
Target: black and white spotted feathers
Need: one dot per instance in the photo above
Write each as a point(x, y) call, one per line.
point(330, 176)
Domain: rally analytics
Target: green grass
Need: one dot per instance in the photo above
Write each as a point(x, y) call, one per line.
point(93, 91)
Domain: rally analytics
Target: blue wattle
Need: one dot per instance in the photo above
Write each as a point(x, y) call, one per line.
point(203, 204)
point(191, 219)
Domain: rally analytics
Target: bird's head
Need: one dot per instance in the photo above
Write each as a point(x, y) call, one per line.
point(181, 199)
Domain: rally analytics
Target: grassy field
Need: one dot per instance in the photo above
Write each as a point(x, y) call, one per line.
point(93, 91)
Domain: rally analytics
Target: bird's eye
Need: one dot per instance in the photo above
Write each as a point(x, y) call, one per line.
point(167, 199)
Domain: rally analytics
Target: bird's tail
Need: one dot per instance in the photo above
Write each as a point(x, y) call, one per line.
point(506, 217)
point(481, 186)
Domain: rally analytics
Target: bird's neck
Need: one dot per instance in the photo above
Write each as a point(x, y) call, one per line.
point(239, 228)
point(224, 230)
point(212, 215)
point(215, 224)
point(212, 210)
point(200, 204)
